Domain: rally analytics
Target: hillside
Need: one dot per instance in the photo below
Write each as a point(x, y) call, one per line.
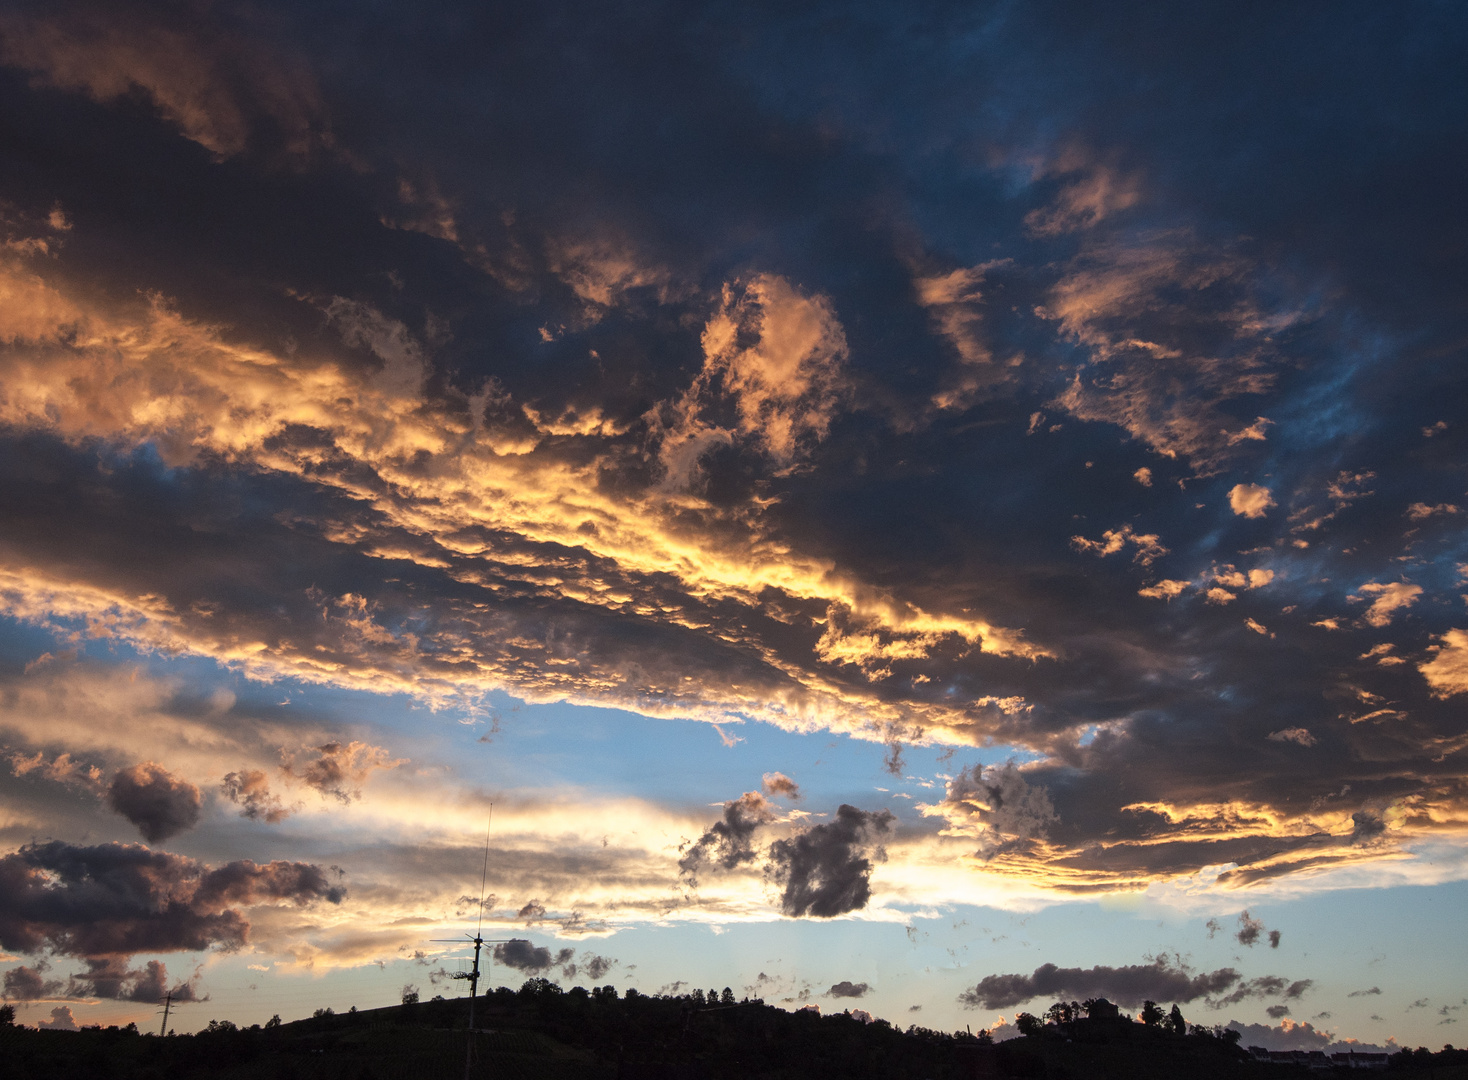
point(541, 1033)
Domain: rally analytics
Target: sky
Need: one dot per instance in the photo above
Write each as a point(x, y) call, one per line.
point(928, 508)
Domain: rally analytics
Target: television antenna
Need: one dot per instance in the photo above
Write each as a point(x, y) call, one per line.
point(479, 942)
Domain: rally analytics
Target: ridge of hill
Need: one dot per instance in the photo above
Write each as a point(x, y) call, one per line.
point(543, 1033)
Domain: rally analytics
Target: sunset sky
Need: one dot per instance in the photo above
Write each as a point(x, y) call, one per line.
point(927, 508)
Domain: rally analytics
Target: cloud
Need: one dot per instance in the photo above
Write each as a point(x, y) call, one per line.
point(1250, 500)
point(62, 1019)
point(1249, 929)
point(1095, 194)
point(1366, 826)
point(1372, 992)
point(1299, 1036)
point(826, 870)
point(110, 977)
point(728, 843)
point(998, 806)
point(1298, 735)
point(30, 983)
point(847, 989)
point(1391, 597)
point(160, 804)
point(1148, 548)
point(239, 404)
point(1167, 350)
point(1161, 980)
point(63, 769)
point(1265, 986)
point(250, 789)
point(1276, 1012)
point(531, 959)
point(953, 301)
point(595, 967)
point(777, 357)
point(1420, 511)
point(1447, 671)
point(1165, 589)
point(218, 85)
point(339, 769)
point(778, 784)
point(601, 269)
point(114, 900)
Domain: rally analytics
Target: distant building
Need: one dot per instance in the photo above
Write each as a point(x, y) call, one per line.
point(1310, 1059)
point(1356, 1059)
point(1101, 1009)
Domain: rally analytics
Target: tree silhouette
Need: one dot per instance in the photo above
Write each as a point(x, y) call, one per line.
point(1176, 1022)
point(1151, 1014)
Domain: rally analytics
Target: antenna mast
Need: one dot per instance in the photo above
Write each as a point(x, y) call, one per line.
point(167, 1004)
point(479, 941)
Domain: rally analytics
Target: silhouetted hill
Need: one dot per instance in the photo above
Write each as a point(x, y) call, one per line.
point(542, 1033)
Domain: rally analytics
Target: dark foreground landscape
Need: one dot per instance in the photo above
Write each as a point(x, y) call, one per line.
point(543, 1033)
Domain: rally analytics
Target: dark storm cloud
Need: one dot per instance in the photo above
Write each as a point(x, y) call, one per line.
point(114, 900)
point(160, 804)
point(846, 988)
point(1165, 979)
point(1265, 986)
point(30, 983)
point(531, 959)
point(455, 425)
point(1162, 980)
point(110, 977)
point(826, 870)
point(729, 842)
point(220, 85)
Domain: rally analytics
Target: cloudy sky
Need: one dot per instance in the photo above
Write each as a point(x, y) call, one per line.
point(933, 508)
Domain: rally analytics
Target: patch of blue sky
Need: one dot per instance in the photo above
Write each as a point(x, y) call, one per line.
point(561, 745)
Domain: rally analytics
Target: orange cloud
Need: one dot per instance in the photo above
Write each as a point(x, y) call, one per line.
point(1166, 350)
point(444, 477)
point(211, 84)
point(1391, 597)
point(1447, 671)
point(1250, 500)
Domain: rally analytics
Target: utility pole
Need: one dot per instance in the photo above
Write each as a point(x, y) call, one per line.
point(167, 1004)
